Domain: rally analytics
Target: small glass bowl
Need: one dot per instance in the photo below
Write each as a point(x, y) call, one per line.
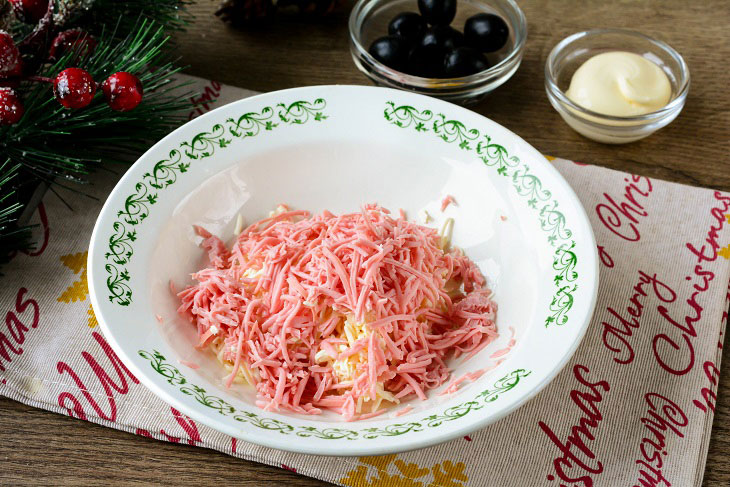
point(369, 20)
point(573, 51)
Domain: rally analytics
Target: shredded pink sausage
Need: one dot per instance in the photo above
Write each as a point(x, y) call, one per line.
point(448, 199)
point(403, 411)
point(283, 292)
point(453, 386)
point(510, 344)
point(192, 365)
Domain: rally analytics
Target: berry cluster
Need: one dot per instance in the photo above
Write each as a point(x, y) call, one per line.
point(74, 88)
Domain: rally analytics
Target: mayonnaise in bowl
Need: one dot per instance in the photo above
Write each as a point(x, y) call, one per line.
point(621, 84)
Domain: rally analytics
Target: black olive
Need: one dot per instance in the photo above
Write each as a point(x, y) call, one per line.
point(408, 25)
point(464, 61)
point(444, 38)
point(486, 32)
point(391, 51)
point(426, 61)
point(427, 57)
point(437, 12)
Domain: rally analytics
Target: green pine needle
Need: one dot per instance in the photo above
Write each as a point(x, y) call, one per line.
point(54, 140)
point(12, 236)
point(58, 146)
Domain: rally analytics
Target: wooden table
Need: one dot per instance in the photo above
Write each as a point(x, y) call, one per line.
point(694, 149)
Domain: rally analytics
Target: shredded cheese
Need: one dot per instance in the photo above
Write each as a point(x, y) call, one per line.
point(239, 225)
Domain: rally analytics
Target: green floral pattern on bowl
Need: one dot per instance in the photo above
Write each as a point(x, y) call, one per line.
point(167, 171)
point(175, 378)
point(526, 184)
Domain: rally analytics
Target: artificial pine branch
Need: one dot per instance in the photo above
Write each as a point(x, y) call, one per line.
point(12, 236)
point(53, 144)
point(56, 142)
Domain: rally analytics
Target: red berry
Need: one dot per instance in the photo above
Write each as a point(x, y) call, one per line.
point(123, 91)
point(30, 11)
point(74, 88)
point(72, 40)
point(11, 108)
point(9, 55)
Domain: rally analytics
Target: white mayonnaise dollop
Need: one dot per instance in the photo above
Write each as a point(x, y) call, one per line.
point(620, 84)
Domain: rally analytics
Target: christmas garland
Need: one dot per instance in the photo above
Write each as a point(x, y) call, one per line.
point(81, 81)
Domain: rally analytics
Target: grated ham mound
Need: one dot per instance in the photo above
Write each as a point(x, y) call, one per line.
point(346, 313)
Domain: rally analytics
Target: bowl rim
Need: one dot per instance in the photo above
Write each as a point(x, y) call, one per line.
point(376, 448)
point(520, 31)
point(674, 104)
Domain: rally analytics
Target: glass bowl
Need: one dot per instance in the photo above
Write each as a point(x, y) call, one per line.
point(369, 20)
point(570, 53)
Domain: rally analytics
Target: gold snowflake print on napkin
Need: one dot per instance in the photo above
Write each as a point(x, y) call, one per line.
point(79, 289)
point(443, 474)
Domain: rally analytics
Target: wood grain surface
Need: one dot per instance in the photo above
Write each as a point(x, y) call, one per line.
point(694, 149)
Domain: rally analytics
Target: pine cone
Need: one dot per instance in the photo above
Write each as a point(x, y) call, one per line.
point(316, 7)
point(6, 15)
point(69, 10)
point(240, 13)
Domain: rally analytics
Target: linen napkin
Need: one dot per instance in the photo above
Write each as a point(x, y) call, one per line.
point(634, 406)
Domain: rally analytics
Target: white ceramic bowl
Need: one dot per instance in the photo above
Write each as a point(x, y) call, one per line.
point(337, 147)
